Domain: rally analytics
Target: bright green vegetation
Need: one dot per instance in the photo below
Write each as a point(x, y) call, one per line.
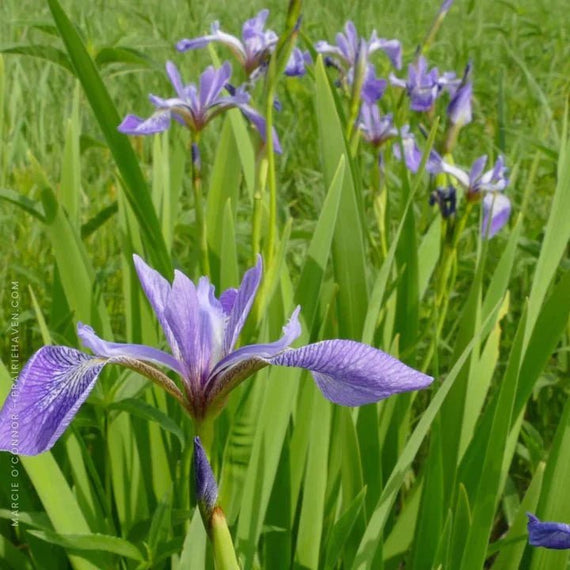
point(441, 479)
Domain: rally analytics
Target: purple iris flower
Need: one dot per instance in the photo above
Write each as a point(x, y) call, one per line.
point(202, 332)
point(424, 85)
point(412, 153)
point(194, 106)
point(376, 129)
point(548, 534)
point(297, 63)
point(459, 108)
point(348, 46)
point(487, 185)
point(252, 51)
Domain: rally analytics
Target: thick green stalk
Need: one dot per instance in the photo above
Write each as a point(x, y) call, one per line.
point(199, 207)
point(222, 544)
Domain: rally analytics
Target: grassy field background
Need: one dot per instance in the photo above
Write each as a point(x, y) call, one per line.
point(521, 57)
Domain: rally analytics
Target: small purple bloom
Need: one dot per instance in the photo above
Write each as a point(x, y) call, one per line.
point(252, 51)
point(298, 60)
point(412, 153)
point(194, 106)
point(548, 534)
point(347, 47)
point(424, 85)
point(202, 331)
point(204, 482)
point(487, 186)
point(459, 108)
point(445, 6)
point(376, 128)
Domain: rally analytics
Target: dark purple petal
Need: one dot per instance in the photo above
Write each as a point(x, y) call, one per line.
point(241, 304)
point(47, 395)
point(133, 125)
point(204, 482)
point(101, 347)
point(548, 534)
point(351, 373)
point(496, 211)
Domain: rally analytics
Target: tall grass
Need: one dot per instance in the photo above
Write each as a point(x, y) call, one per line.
point(432, 480)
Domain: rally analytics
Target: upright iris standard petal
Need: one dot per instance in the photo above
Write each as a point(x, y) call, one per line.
point(46, 397)
point(548, 534)
point(496, 213)
point(242, 304)
point(459, 109)
point(351, 373)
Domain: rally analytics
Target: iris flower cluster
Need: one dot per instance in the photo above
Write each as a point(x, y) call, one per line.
point(423, 86)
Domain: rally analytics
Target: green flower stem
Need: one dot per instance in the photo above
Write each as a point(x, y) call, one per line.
point(199, 207)
point(260, 185)
point(223, 547)
point(446, 276)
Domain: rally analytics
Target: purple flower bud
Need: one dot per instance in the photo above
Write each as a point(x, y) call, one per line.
point(204, 482)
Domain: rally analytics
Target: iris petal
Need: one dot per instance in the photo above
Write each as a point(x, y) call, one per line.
point(548, 534)
point(107, 349)
point(351, 373)
point(496, 212)
point(46, 397)
point(242, 303)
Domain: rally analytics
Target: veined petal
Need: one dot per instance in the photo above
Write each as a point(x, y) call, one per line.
point(106, 349)
point(259, 123)
point(212, 81)
point(326, 48)
point(183, 315)
point(241, 304)
point(157, 290)
point(477, 169)
point(156, 123)
point(227, 299)
point(51, 387)
point(496, 212)
point(175, 79)
point(548, 534)
point(351, 373)
point(246, 360)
